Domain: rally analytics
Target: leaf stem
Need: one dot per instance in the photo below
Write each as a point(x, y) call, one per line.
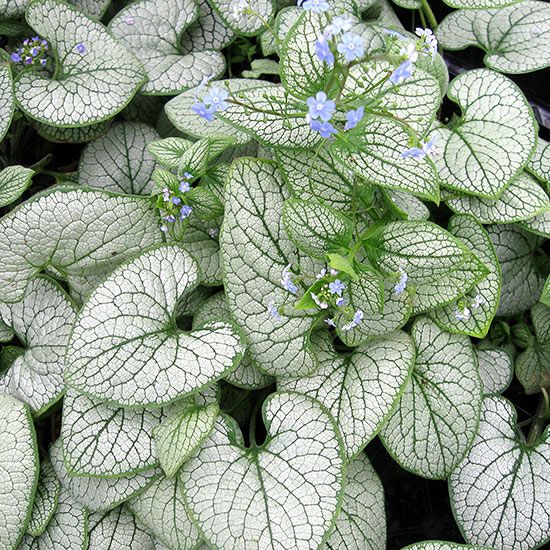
point(429, 14)
point(539, 419)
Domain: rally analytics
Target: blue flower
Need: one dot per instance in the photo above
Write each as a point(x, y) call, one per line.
point(176, 200)
point(340, 302)
point(322, 49)
point(15, 57)
point(463, 315)
point(286, 281)
point(429, 147)
point(351, 47)
point(80, 48)
point(185, 211)
point(428, 41)
point(402, 284)
point(203, 111)
point(318, 301)
point(336, 287)
point(170, 218)
point(402, 72)
point(316, 6)
point(391, 32)
point(321, 107)
point(272, 310)
point(164, 228)
point(353, 118)
point(338, 25)
point(357, 318)
point(326, 129)
point(478, 301)
point(166, 194)
point(184, 186)
point(413, 153)
point(187, 176)
point(215, 98)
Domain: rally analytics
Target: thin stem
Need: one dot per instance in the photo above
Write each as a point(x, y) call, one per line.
point(429, 14)
point(539, 419)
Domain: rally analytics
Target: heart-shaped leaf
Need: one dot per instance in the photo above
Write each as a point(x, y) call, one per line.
point(6, 95)
point(484, 295)
point(42, 321)
point(484, 150)
point(302, 448)
point(514, 37)
point(153, 29)
point(414, 102)
point(315, 228)
point(361, 524)
point(521, 281)
point(119, 161)
point(81, 234)
point(118, 527)
point(496, 369)
point(178, 437)
point(255, 250)
point(523, 199)
point(88, 87)
point(100, 440)
point(500, 491)
point(66, 529)
point(379, 143)
point(161, 509)
point(302, 72)
point(433, 425)
point(99, 494)
point(184, 119)
point(19, 469)
point(13, 182)
point(119, 354)
point(45, 500)
point(245, 18)
point(359, 389)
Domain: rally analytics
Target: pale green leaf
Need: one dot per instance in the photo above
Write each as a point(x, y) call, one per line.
point(270, 115)
point(415, 101)
point(514, 38)
point(181, 433)
point(101, 440)
point(540, 316)
point(484, 150)
point(521, 282)
point(380, 143)
point(19, 469)
point(81, 234)
point(522, 199)
point(539, 163)
point(246, 375)
point(303, 74)
point(315, 175)
point(500, 491)
point(46, 499)
point(361, 388)
point(97, 493)
point(288, 490)
point(6, 94)
point(315, 228)
point(152, 30)
point(6, 332)
point(545, 295)
point(477, 323)
point(127, 349)
point(197, 159)
point(207, 32)
point(117, 530)
point(13, 182)
point(406, 206)
point(496, 369)
point(42, 321)
point(532, 367)
point(81, 134)
point(66, 529)
point(119, 161)
point(161, 509)
point(89, 87)
point(436, 419)
point(184, 119)
point(168, 151)
point(395, 312)
point(361, 524)
point(255, 250)
point(246, 18)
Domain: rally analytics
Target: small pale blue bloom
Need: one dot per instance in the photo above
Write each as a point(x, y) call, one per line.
point(353, 118)
point(339, 24)
point(184, 186)
point(322, 49)
point(316, 6)
point(286, 281)
point(272, 310)
point(399, 288)
point(170, 218)
point(185, 211)
point(216, 99)
point(402, 72)
point(80, 48)
point(340, 302)
point(166, 194)
point(321, 107)
point(203, 111)
point(357, 318)
point(351, 47)
point(187, 176)
point(176, 200)
point(336, 287)
point(413, 153)
point(15, 57)
point(326, 129)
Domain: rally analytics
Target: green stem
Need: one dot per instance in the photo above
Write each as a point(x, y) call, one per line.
point(429, 14)
point(539, 420)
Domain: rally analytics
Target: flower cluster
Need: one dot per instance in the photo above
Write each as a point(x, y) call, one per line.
point(212, 102)
point(464, 310)
point(427, 148)
point(350, 45)
point(173, 206)
point(321, 110)
point(33, 51)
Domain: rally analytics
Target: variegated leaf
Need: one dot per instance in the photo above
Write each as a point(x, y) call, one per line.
point(496, 369)
point(45, 500)
point(6, 92)
point(13, 182)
